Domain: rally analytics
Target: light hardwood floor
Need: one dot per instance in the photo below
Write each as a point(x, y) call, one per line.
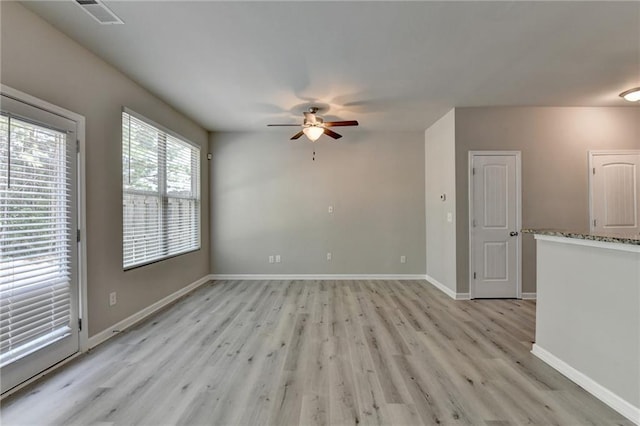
point(314, 353)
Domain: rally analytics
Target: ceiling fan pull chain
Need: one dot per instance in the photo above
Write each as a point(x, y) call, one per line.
point(314, 155)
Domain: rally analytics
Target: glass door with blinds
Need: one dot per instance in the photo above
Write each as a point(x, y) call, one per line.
point(39, 286)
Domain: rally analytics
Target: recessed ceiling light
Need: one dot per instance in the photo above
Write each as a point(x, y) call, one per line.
point(631, 95)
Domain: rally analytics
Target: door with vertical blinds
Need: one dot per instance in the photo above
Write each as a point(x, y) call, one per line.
point(38, 243)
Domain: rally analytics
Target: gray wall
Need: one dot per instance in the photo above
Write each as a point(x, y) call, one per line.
point(554, 142)
point(39, 60)
point(269, 197)
point(440, 178)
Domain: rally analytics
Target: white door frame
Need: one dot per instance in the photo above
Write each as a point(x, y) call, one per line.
point(82, 215)
point(518, 156)
point(593, 153)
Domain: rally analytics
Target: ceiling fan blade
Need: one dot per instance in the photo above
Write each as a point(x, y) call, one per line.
point(297, 135)
point(341, 123)
point(280, 125)
point(332, 134)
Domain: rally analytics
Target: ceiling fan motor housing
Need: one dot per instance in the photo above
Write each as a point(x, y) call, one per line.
point(318, 122)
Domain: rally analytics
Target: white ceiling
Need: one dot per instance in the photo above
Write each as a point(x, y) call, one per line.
point(239, 65)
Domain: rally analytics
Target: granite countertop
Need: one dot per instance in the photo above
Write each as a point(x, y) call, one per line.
point(633, 239)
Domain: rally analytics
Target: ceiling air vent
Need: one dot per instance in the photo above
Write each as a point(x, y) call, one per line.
point(99, 12)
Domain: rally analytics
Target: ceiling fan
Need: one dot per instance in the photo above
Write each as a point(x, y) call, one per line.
point(313, 126)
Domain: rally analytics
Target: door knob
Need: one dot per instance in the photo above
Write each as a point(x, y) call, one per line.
point(513, 233)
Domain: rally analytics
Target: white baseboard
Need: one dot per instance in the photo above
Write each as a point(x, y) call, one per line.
point(316, 277)
point(529, 296)
point(446, 290)
point(587, 383)
point(100, 337)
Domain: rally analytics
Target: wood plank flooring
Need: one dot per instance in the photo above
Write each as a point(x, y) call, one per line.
point(315, 353)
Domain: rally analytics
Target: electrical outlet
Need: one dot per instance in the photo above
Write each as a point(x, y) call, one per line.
point(450, 217)
point(403, 259)
point(271, 259)
point(278, 258)
point(113, 298)
point(329, 256)
point(330, 209)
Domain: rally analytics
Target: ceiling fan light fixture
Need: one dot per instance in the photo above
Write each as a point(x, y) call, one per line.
point(313, 132)
point(313, 126)
point(631, 95)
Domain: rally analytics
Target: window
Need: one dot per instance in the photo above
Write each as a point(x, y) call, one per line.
point(160, 192)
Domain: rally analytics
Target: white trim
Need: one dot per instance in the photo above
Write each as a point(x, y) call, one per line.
point(519, 220)
point(633, 248)
point(587, 383)
point(106, 334)
point(529, 296)
point(39, 103)
point(446, 290)
point(81, 198)
point(443, 288)
point(316, 277)
point(518, 156)
point(592, 154)
point(82, 226)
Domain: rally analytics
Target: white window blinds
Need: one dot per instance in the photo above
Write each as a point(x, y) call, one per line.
point(37, 231)
point(160, 193)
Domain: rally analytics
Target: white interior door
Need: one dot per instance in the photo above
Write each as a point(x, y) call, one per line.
point(495, 225)
point(615, 192)
point(38, 244)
